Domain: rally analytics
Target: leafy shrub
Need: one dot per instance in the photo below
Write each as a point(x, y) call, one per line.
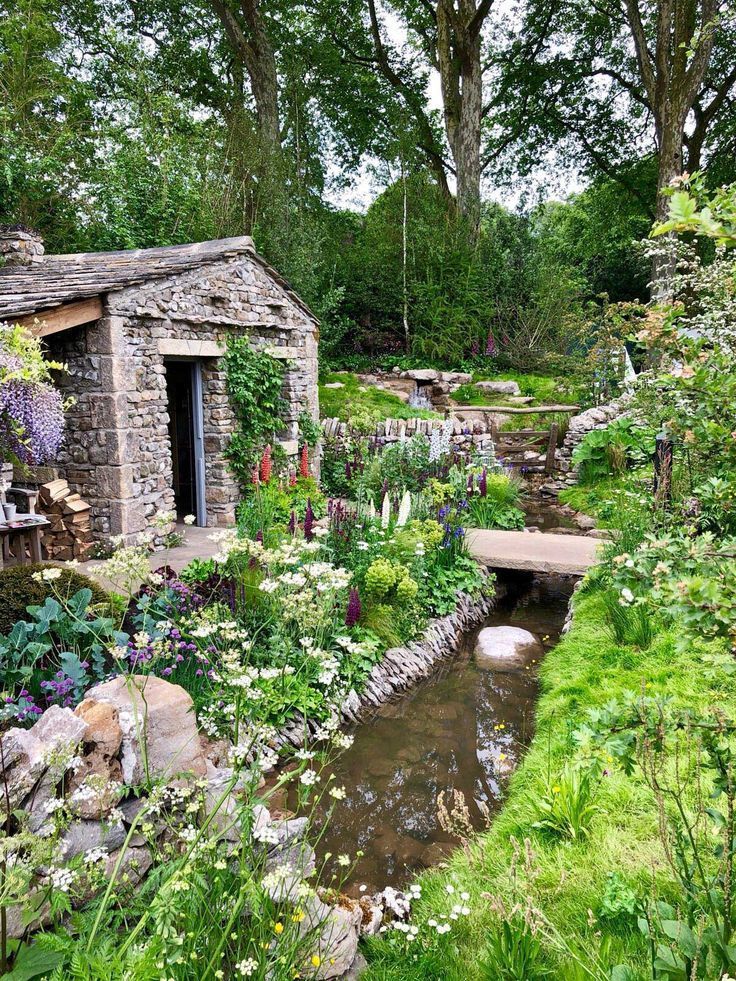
point(401, 465)
point(620, 902)
point(609, 451)
point(19, 590)
point(688, 580)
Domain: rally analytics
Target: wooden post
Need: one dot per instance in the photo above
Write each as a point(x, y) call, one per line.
point(663, 470)
point(549, 463)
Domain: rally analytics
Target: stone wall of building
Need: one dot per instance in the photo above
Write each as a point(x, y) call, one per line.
point(117, 452)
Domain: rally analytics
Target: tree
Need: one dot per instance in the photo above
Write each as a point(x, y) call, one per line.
point(247, 33)
point(612, 81)
point(446, 36)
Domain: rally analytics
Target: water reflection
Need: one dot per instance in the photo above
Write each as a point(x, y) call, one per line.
point(463, 729)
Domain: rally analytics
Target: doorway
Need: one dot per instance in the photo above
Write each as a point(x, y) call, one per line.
point(184, 394)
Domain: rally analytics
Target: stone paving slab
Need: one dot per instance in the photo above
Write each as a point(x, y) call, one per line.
point(197, 545)
point(534, 552)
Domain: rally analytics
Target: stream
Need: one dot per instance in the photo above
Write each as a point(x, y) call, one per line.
point(463, 728)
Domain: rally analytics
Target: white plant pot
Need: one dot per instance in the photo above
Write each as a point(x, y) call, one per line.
point(10, 511)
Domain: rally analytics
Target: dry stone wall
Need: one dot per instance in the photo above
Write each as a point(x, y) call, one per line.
point(117, 453)
point(579, 426)
point(466, 434)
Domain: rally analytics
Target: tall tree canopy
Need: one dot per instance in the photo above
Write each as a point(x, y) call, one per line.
point(612, 81)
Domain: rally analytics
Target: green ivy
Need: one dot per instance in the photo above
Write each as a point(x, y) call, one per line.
point(254, 383)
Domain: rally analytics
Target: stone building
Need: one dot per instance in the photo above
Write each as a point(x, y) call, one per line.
point(142, 333)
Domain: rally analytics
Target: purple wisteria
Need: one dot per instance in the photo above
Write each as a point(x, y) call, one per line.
point(31, 416)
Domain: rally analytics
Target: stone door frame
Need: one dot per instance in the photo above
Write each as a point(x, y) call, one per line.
point(200, 482)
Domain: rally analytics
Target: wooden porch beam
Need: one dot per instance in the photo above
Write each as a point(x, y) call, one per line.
point(63, 317)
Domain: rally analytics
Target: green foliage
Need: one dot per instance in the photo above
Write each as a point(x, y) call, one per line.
point(514, 952)
point(254, 383)
point(689, 580)
point(267, 507)
point(56, 648)
point(593, 231)
point(635, 626)
point(458, 293)
point(310, 430)
point(403, 465)
point(565, 806)
point(609, 451)
point(693, 208)
point(619, 903)
point(695, 937)
point(20, 590)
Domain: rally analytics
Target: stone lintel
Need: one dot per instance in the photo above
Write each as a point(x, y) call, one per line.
point(177, 347)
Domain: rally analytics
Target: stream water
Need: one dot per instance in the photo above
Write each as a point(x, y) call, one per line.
point(464, 728)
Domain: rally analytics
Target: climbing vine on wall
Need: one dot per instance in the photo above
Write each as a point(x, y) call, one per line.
point(254, 383)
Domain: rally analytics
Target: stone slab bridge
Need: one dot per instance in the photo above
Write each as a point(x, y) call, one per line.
point(570, 555)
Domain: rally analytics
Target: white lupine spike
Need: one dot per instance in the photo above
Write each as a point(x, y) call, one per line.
point(385, 511)
point(404, 510)
point(447, 430)
point(371, 510)
point(435, 445)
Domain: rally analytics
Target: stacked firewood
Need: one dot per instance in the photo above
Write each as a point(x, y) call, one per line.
point(70, 534)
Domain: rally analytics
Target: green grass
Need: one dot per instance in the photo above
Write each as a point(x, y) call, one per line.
point(542, 388)
point(585, 670)
point(350, 401)
point(605, 498)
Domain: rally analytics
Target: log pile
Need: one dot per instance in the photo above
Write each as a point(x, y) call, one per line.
point(70, 533)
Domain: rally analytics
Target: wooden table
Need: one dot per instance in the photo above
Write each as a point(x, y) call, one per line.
point(21, 545)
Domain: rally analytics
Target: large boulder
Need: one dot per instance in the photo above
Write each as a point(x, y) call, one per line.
point(422, 374)
point(28, 753)
point(506, 648)
point(96, 784)
point(158, 725)
point(335, 933)
point(456, 377)
point(499, 387)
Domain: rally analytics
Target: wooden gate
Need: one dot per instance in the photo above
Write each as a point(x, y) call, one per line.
point(511, 447)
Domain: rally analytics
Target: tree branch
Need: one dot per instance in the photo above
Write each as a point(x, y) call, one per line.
point(476, 21)
point(643, 54)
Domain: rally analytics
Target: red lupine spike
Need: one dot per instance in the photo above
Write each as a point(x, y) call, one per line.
point(266, 465)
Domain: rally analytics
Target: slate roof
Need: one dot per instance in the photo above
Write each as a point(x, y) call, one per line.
point(59, 279)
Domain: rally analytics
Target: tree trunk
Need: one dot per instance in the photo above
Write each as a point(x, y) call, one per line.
point(252, 48)
point(669, 166)
point(461, 77)
point(467, 141)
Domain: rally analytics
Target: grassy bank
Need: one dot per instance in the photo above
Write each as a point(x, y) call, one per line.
point(580, 886)
point(355, 400)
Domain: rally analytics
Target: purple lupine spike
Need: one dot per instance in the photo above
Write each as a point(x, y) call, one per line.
point(348, 470)
point(309, 521)
point(483, 483)
point(354, 608)
point(259, 535)
point(490, 344)
point(292, 523)
point(470, 484)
